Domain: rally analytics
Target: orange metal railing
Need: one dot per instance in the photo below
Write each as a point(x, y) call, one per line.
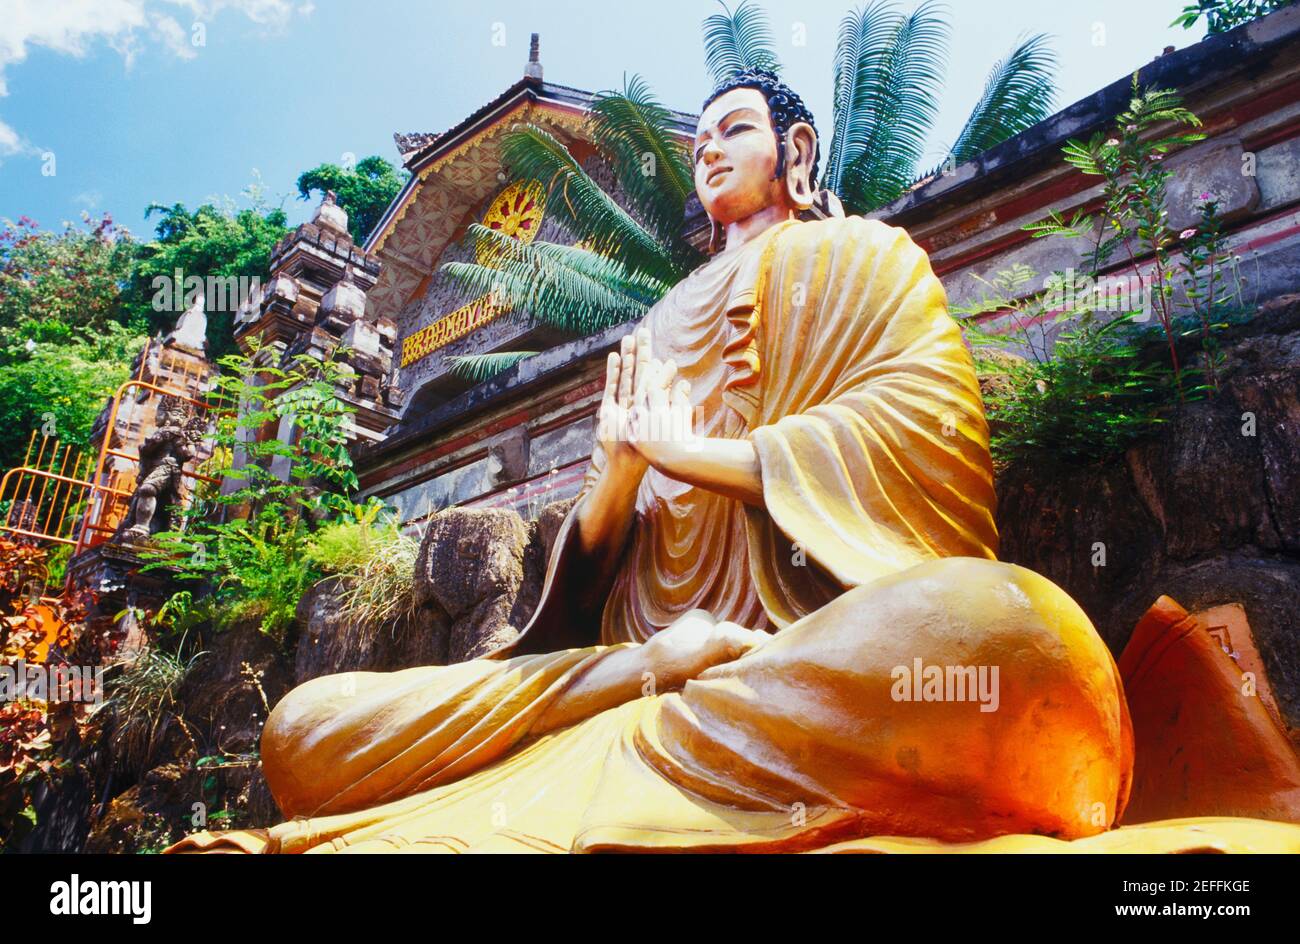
point(82, 504)
point(56, 487)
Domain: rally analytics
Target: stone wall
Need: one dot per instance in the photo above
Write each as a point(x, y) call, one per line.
point(1206, 511)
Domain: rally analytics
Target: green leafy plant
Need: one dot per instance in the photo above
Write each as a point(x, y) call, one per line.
point(376, 560)
point(255, 564)
point(215, 240)
point(1223, 15)
point(363, 191)
point(1060, 386)
point(479, 367)
point(1133, 217)
point(142, 697)
point(1213, 282)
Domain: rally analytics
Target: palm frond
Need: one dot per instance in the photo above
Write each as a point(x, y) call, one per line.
point(1019, 93)
point(859, 53)
point(904, 97)
point(566, 287)
point(585, 208)
point(479, 367)
point(734, 42)
point(650, 160)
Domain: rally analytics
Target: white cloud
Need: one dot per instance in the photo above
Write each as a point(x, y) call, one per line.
point(72, 27)
point(10, 141)
point(172, 35)
point(66, 27)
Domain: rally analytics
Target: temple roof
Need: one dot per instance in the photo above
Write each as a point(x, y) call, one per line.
point(453, 172)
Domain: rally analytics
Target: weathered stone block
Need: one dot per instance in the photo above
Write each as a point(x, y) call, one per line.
point(330, 640)
point(477, 568)
point(1211, 167)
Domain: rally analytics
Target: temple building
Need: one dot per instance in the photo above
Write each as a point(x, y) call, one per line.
point(522, 438)
point(510, 440)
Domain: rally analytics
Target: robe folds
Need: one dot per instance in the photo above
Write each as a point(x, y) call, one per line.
point(829, 346)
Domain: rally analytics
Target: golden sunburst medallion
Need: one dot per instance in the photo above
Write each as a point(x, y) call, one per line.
point(517, 211)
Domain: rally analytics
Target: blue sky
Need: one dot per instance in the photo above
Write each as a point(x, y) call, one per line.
point(134, 112)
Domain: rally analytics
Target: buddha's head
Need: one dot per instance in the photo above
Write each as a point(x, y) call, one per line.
point(755, 147)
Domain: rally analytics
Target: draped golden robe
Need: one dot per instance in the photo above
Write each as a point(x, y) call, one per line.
point(828, 344)
point(830, 347)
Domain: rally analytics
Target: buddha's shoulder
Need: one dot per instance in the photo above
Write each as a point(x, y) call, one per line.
point(851, 233)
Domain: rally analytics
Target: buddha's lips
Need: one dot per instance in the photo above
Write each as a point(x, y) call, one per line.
point(716, 172)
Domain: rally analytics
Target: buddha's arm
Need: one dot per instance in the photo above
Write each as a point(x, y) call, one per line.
point(605, 513)
point(729, 467)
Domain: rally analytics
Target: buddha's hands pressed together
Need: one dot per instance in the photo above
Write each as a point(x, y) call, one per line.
point(660, 425)
point(661, 430)
point(646, 418)
point(622, 460)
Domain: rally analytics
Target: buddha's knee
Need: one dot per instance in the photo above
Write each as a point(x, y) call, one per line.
point(302, 742)
point(999, 685)
point(961, 697)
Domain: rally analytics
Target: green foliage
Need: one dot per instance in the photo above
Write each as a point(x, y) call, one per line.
point(652, 164)
point(1020, 92)
point(141, 698)
point(1090, 382)
point(209, 242)
point(1084, 397)
point(1133, 215)
point(859, 57)
point(1212, 282)
point(900, 80)
point(1223, 15)
point(257, 568)
point(587, 211)
point(257, 565)
point(734, 42)
point(61, 386)
point(364, 192)
point(376, 561)
point(63, 344)
point(147, 687)
point(53, 285)
point(626, 261)
point(1090, 400)
point(567, 287)
point(477, 368)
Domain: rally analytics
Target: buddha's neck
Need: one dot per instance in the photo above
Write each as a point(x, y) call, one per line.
point(743, 231)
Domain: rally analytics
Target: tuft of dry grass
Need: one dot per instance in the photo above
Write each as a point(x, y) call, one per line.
point(376, 562)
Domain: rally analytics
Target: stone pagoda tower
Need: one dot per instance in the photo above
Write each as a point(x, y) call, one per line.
point(315, 303)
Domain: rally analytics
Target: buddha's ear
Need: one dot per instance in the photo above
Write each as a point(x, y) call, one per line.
point(800, 150)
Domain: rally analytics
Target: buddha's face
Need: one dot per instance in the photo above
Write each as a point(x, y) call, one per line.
point(735, 157)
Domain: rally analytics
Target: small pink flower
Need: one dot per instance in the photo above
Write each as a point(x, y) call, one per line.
point(1111, 142)
point(1187, 234)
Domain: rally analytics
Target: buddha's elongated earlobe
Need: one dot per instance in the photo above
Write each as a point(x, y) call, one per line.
point(800, 151)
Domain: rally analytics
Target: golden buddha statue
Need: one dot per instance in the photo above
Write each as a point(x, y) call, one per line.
point(785, 630)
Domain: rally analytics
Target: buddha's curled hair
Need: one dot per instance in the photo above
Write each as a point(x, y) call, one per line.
point(783, 102)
